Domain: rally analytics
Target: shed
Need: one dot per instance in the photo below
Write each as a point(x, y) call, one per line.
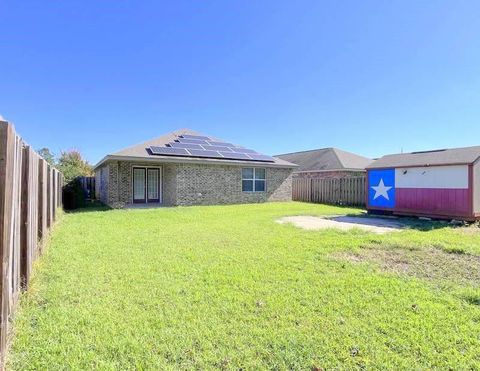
point(442, 183)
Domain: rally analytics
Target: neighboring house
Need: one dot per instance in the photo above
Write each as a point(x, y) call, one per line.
point(327, 163)
point(441, 184)
point(189, 168)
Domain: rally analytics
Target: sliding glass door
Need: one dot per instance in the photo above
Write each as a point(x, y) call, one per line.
point(146, 185)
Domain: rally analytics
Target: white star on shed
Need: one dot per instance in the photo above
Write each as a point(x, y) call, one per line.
point(381, 190)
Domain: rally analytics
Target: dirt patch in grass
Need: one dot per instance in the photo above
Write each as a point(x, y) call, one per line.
point(472, 230)
point(431, 264)
point(343, 222)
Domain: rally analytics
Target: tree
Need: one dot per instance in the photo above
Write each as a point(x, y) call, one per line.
point(72, 165)
point(47, 155)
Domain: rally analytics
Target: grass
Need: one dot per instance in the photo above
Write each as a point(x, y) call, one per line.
point(440, 267)
point(226, 287)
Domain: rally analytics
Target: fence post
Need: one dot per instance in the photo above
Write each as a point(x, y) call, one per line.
point(54, 195)
point(49, 196)
point(310, 187)
point(60, 189)
point(28, 213)
point(5, 209)
point(8, 153)
point(25, 243)
point(42, 198)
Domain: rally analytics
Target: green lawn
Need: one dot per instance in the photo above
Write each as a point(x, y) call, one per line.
point(226, 287)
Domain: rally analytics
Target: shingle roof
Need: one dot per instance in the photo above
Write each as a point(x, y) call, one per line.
point(326, 159)
point(467, 155)
point(140, 152)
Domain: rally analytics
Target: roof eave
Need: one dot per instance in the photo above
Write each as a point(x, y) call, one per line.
point(418, 165)
point(101, 162)
point(189, 160)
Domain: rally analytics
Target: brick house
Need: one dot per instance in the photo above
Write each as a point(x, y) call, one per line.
point(188, 168)
point(327, 163)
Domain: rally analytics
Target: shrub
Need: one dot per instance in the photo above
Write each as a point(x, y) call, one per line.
point(73, 195)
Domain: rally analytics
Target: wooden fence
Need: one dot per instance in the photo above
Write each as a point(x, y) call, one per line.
point(30, 195)
point(88, 185)
point(341, 191)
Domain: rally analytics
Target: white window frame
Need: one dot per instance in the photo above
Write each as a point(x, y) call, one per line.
point(254, 179)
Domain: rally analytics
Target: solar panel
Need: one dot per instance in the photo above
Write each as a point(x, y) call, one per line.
point(264, 158)
point(203, 147)
point(199, 137)
point(203, 153)
point(235, 156)
point(222, 144)
point(217, 148)
point(191, 141)
point(185, 145)
point(169, 151)
point(243, 150)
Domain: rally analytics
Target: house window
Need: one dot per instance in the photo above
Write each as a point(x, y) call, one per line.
point(253, 179)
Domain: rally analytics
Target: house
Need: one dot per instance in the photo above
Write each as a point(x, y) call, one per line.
point(327, 163)
point(442, 183)
point(189, 168)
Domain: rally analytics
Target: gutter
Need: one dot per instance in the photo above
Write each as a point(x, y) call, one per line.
point(329, 171)
point(166, 159)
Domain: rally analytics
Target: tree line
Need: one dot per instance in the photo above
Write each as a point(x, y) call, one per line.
point(71, 163)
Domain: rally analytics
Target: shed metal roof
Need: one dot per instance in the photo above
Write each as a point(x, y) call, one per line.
point(451, 156)
point(325, 159)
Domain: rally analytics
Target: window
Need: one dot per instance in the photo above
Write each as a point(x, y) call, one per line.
point(253, 179)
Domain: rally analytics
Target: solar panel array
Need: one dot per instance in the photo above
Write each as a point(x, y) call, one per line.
point(205, 147)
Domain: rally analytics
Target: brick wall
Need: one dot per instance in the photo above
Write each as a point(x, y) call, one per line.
point(120, 187)
point(113, 183)
point(169, 184)
point(222, 184)
point(187, 184)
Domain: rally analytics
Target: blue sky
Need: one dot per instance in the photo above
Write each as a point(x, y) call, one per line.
point(371, 77)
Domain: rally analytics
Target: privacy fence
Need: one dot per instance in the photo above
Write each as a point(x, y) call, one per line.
point(341, 191)
point(30, 195)
point(88, 185)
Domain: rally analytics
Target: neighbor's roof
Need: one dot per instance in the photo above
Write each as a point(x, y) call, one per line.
point(142, 152)
point(467, 155)
point(326, 159)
